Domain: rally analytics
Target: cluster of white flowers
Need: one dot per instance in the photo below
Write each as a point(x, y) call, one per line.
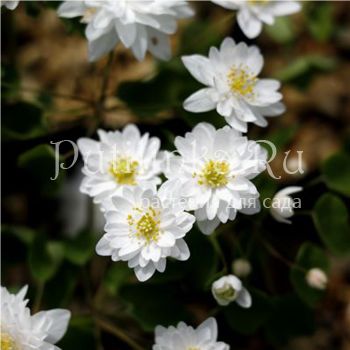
point(208, 180)
point(21, 330)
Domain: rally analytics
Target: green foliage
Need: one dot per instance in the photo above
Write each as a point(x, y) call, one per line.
point(332, 222)
point(81, 248)
point(22, 121)
point(39, 164)
point(168, 308)
point(282, 31)
point(117, 276)
point(320, 21)
point(336, 172)
point(44, 258)
point(248, 321)
point(309, 256)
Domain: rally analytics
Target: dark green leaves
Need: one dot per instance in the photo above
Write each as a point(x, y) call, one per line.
point(248, 321)
point(332, 222)
point(44, 258)
point(39, 164)
point(336, 171)
point(309, 256)
point(22, 121)
point(81, 248)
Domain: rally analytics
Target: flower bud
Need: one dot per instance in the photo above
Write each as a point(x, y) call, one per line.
point(241, 267)
point(228, 289)
point(316, 278)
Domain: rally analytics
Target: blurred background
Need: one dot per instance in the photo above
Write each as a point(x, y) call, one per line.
point(49, 230)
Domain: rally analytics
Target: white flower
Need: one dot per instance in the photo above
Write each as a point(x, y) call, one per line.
point(119, 160)
point(228, 289)
point(241, 267)
point(316, 278)
point(232, 85)
point(282, 207)
point(184, 337)
point(212, 174)
point(140, 25)
point(144, 229)
point(10, 4)
point(253, 13)
point(20, 330)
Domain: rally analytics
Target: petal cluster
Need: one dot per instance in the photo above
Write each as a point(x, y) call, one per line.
point(144, 230)
point(119, 160)
point(140, 25)
point(10, 4)
point(252, 14)
point(21, 330)
point(185, 337)
point(232, 85)
point(212, 173)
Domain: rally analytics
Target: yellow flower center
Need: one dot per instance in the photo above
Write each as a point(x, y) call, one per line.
point(146, 226)
point(241, 81)
point(258, 2)
point(124, 171)
point(7, 342)
point(214, 174)
point(226, 292)
point(88, 15)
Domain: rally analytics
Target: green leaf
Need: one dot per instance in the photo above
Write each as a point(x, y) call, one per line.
point(336, 171)
point(39, 164)
point(117, 275)
point(44, 258)
point(290, 318)
point(282, 30)
point(22, 121)
point(248, 321)
point(152, 305)
point(80, 335)
point(309, 256)
point(320, 21)
point(24, 234)
point(81, 248)
point(331, 219)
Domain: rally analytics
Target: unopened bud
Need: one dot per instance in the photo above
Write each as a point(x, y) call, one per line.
point(316, 278)
point(241, 267)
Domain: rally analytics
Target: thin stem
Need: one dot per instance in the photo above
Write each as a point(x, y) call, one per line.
point(38, 297)
point(118, 333)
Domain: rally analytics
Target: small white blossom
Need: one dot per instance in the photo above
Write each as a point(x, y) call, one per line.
point(282, 207)
point(316, 278)
point(10, 4)
point(228, 289)
point(21, 330)
point(144, 228)
point(140, 25)
point(119, 160)
point(184, 337)
point(253, 13)
point(241, 267)
point(232, 85)
point(212, 174)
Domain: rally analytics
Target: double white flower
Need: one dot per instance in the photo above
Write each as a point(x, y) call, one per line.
point(120, 160)
point(233, 87)
point(212, 174)
point(21, 330)
point(144, 228)
point(185, 337)
point(140, 25)
point(253, 13)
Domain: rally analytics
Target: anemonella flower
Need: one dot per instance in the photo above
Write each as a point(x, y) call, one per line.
point(232, 85)
point(10, 4)
point(21, 330)
point(144, 228)
point(316, 278)
point(184, 337)
point(212, 174)
point(228, 289)
point(282, 207)
point(140, 25)
point(253, 13)
point(119, 160)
